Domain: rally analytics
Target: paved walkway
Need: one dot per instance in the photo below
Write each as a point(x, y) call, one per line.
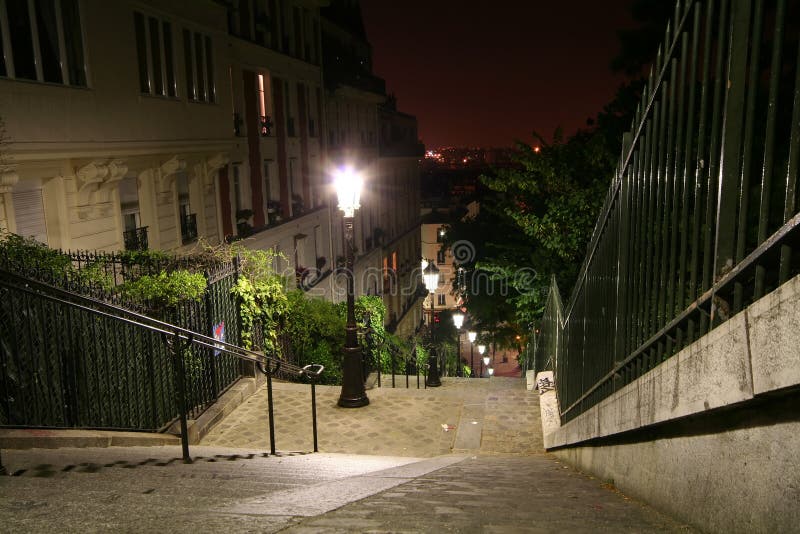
point(486, 416)
point(493, 476)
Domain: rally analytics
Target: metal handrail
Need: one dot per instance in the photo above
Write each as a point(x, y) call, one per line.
point(178, 338)
point(148, 322)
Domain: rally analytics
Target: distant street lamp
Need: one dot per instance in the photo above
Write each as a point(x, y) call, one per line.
point(472, 336)
point(481, 350)
point(491, 371)
point(348, 185)
point(458, 320)
point(431, 276)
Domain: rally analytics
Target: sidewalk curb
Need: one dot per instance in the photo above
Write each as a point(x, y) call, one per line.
point(34, 438)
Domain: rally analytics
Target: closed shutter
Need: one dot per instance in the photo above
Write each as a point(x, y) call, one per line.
point(29, 214)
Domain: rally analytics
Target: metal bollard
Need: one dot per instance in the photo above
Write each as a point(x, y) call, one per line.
point(312, 372)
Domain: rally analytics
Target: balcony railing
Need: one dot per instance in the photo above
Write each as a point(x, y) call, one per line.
point(189, 228)
point(135, 239)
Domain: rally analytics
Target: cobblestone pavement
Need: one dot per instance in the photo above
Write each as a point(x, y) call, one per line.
point(397, 422)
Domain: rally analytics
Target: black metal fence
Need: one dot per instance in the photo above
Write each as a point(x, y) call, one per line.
point(62, 366)
point(71, 373)
point(701, 218)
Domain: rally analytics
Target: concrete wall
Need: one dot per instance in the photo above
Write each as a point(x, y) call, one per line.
point(710, 435)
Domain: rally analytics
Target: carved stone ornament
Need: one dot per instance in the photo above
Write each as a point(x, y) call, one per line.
point(168, 170)
point(216, 162)
point(7, 180)
point(213, 164)
point(99, 176)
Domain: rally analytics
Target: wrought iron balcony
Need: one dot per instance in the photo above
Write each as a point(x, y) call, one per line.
point(135, 239)
point(189, 228)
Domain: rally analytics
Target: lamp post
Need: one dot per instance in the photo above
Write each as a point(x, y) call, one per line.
point(472, 336)
point(348, 188)
point(431, 276)
point(458, 320)
point(481, 350)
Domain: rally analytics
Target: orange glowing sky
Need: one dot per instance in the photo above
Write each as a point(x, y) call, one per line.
point(485, 76)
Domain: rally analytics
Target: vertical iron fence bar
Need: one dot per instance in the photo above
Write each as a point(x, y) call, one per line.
point(696, 280)
point(631, 291)
point(725, 250)
point(669, 186)
point(673, 290)
point(29, 403)
point(791, 172)
point(747, 152)
point(714, 159)
point(665, 132)
point(622, 285)
point(651, 172)
point(643, 229)
point(689, 181)
point(769, 139)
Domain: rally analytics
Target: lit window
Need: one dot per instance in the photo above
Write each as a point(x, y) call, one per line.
point(155, 53)
point(56, 55)
point(441, 299)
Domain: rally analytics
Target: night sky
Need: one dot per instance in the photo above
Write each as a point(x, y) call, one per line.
point(479, 73)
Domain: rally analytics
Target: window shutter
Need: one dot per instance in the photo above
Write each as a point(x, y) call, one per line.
point(29, 214)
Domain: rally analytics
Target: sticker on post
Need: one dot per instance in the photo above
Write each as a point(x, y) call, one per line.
point(219, 335)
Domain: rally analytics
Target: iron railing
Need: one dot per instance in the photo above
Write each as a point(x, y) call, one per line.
point(701, 218)
point(60, 368)
point(135, 239)
point(547, 336)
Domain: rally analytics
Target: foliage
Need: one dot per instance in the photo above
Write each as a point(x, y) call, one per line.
point(260, 291)
point(165, 290)
point(313, 332)
point(26, 252)
point(536, 220)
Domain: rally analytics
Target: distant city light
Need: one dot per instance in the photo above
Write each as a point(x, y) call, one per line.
point(536, 149)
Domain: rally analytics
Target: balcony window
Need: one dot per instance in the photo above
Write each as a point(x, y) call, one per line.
point(441, 299)
point(42, 41)
point(188, 228)
point(135, 238)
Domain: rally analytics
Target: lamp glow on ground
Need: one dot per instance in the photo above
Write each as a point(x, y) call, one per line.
point(348, 189)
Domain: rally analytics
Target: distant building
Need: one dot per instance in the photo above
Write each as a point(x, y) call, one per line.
point(365, 131)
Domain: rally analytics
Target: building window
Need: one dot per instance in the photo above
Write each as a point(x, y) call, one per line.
point(441, 299)
point(42, 41)
point(264, 105)
point(440, 256)
point(199, 62)
point(154, 50)
point(29, 213)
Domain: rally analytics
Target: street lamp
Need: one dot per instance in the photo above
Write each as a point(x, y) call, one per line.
point(348, 185)
point(491, 371)
point(481, 350)
point(431, 277)
point(472, 336)
point(458, 320)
